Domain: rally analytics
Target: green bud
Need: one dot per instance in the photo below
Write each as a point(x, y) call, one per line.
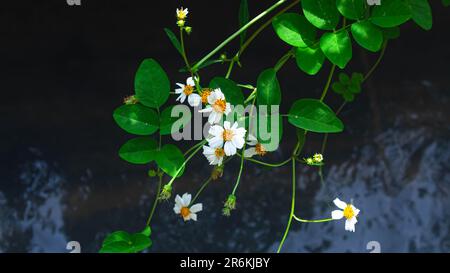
point(223, 56)
point(230, 205)
point(165, 193)
point(180, 23)
point(152, 173)
point(130, 100)
point(188, 30)
point(217, 172)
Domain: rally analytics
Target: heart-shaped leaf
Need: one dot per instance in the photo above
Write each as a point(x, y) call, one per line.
point(294, 29)
point(322, 14)
point(337, 47)
point(151, 84)
point(136, 119)
point(140, 150)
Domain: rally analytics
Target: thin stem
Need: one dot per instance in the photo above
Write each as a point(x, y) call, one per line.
point(312, 221)
point(230, 68)
point(193, 147)
point(184, 164)
point(183, 50)
point(283, 60)
point(291, 214)
point(377, 62)
point(155, 203)
point(272, 165)
point(236, 34)
point(327, 86)
point(201, 189)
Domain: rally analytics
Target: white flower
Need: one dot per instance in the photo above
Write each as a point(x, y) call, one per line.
point(229, 137)
point(182, 207)
point(187, 91)
point(214, 155)
point(217, 107)
point(257, 150)
point(348, 211)
point(318, 158)
point(182, 13)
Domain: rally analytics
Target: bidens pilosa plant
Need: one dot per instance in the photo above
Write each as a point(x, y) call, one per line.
point(243, 119)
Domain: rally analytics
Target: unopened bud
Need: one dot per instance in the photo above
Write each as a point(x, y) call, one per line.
point(165, 193)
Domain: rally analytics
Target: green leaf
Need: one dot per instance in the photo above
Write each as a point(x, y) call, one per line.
point(347, 87)
point(170, 159)
point(151, 84)
point(337, 47)
point(147, 231)
point(352, 9)
point(421, 13)
point(390, 13)
point(294, 29)
point(338, 87)
point(136, 119)
point(174, 40)
point(268, 90)
point(322, 14)
point(140, 150)
point(243, 18)
point(233, 93)
point(391, 33)
point(368, 35)
point(123, 242)
point(446, 3)
point(315, 116)
point(167, 121)
point(309, 59)
point(344, 78)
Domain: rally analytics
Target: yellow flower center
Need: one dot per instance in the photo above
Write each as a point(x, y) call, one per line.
point(188, 90)
point(205, 95)
point(185, 212)
point(181, 14)
point(260, 150)
point(219, 152)
point(227, 135)
point(220, 106)
point(348, 212)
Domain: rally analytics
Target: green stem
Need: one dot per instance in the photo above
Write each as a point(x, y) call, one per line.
point(291, 214)
point(377, 62)
point(201, 189)
point(183, 50)
point(283, 60)
point(236, 34)
point(184, 164)
point(272, 165)
point(194, 147)
point(327, 86)
point(312, 221)
point(155, 203)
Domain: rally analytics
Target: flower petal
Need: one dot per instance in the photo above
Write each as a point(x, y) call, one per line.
point(238, 141)
point(251, 140)
point(177, 209)
point(193, 216)
point(340, 204)
point(229, 148)
point(194, 100)
point(337, 214)
point(350, 224)
point(190, 81)
point(355, 210)
point(196, 208)
point(179, 200)
point(186, 199)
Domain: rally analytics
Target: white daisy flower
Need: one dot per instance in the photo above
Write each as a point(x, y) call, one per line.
point(182, 13)
point(187, 91)
point(214, 155)
point(229, 137)
point(217, 107)
point(182, 207)
point(258, 148)
point(348, 211)
point(318, 158)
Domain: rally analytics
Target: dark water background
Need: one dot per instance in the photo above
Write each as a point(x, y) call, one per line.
point(64, 70)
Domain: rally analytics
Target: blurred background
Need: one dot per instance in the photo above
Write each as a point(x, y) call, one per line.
point(64, 69)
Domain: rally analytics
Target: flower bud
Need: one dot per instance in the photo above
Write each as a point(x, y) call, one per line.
point(188, 30)
point(230, 205)
point(217, 172)
point(130, 100)
point(165, 193)
point(180, 23)
point(152, 173)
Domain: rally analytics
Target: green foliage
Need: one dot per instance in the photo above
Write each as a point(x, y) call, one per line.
point(151, 84)
point(170, 159)
point(421, 13)
point(309, 59)
point(315, 116)
point(348, 87)
point(352, 9)
point(136, 119)
point(323, 14)
point(294, 29)
point(232, 92)
point(243, 18)
point(140, 150)
point(446, 3)
point(268, 88)
point(391, 13)
point(124, 242)
point(368, 35)
point(391, 33)
point(174, 40)
point(337, 47)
